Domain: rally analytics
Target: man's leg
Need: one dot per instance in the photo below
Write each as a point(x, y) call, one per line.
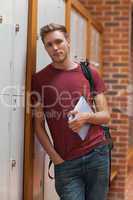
point(68, 181)
point(97, 174)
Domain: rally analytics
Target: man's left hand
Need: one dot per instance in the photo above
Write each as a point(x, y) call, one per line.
point(78, 120)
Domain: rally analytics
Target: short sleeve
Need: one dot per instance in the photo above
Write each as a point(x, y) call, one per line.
point(99, 85)
point(35, 90)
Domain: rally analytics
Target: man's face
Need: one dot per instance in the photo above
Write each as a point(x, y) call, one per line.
point(57, 46)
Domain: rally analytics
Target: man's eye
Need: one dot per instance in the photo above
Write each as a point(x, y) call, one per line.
point(48, 45)
point(58, 41)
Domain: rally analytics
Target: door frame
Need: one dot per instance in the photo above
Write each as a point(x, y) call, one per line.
point(28, 130)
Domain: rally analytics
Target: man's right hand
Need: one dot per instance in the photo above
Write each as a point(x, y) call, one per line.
point(58, 161)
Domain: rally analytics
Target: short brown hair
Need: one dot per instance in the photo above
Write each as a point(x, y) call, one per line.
point(52, 27)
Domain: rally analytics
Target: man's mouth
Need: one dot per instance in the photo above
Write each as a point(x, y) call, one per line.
point(57, 54)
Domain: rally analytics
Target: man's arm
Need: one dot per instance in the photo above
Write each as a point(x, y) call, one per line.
point(102, 115)
point(43, 136)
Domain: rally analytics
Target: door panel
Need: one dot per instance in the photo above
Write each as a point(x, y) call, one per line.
point(95, 46)
point(17, 143)
point(78, 36)
point(5, 57)
point(20, 20)
point(6, 11)
point(4, 146)
point(13, 44)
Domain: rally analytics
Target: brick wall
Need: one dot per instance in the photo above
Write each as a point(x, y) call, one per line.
point(115, 17)
point(131, 91)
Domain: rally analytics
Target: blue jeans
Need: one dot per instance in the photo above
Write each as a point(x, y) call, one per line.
point(84, 178)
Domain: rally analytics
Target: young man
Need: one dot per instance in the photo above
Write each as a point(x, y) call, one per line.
point(81, 166)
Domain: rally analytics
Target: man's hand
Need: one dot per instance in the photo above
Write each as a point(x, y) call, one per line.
point(102, 115)
point(79, 119)
point(58, 161)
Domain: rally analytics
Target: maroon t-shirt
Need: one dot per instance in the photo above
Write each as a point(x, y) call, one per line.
point(59, 90)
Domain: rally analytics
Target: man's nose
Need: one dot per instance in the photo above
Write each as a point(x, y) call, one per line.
point(55, 47)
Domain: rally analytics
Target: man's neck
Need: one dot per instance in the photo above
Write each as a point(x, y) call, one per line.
point(66, 65)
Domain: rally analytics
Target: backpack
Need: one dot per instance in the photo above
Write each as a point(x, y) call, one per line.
point(88, 75)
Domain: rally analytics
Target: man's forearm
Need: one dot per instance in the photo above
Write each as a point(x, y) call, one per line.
point(101, 117)
point(47, 145)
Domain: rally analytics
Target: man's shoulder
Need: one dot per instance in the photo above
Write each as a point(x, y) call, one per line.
point(94, 69)
point(43, 71)
point(95, 72)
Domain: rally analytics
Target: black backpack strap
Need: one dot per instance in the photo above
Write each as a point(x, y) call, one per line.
point(88, 74)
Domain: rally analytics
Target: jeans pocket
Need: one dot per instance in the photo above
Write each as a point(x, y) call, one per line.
point(102, 149)
point(60, 170)
point(60, 165)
